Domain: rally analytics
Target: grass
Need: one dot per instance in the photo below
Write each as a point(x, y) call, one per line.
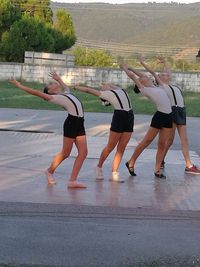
point(12, 97)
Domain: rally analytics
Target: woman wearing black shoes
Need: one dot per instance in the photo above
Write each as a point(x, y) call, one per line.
point(161, 122)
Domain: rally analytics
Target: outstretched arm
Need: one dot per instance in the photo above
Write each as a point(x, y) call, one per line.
point(137, 72)
point(57, 78)
point(166, 66)
point(132, 75)
point(88, 90)
point(151, 71)
point(30, 90)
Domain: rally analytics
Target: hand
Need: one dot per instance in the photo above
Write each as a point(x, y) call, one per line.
point(161, 59)
point(123, 66)
point(54, 76)
point(15, 82)
point(141, 58)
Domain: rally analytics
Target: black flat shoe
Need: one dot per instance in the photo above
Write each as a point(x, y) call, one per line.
point(159, 175)
point(130, 169)
point(162, 166)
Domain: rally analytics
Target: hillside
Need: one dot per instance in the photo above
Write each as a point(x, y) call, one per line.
point(169, 28)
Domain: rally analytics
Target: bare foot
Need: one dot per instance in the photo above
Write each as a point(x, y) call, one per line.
point(75, 184)
point(50, 178)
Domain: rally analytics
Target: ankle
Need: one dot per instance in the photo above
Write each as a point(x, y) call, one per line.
point(50, 171)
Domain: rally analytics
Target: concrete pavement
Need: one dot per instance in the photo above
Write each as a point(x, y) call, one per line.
point(108, 224)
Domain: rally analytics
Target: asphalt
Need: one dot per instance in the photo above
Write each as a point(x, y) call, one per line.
point(142, 222)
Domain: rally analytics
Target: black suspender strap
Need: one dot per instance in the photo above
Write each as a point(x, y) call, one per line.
point(179, 89)
point(173, 95)
point(120, 102)
point(77, 113)
point(127, 98)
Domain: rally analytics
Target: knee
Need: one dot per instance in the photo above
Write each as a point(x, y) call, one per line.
point(65, 155)
point(170, 141)
point(184, 141)
point(109, 149)
point(147, 142)
point(162, 145)
point(121, 150)
point(83, 153)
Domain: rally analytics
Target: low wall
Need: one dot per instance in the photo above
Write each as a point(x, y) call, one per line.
point(189, 81)
point(42, 58)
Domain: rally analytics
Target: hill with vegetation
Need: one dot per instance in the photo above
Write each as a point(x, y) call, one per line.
point(168, 28)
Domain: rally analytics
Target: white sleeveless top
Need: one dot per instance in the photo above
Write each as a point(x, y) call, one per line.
point(159, 97)
point(178, 95)
point(118, 98)
point(69, 102)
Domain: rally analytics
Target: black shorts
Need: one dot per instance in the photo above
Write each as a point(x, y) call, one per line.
point(73, 126)
point(161, 120)
point(179, 115)
point(122, 121)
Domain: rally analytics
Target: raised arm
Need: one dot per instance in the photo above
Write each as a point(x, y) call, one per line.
point(131, 75)
point(166, 66)
point(57, 78)
point(151, 71)
point(111, 85)
point(88, 90)
point(30, 90)
point(137, 72)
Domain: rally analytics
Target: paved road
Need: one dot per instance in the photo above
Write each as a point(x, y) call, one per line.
point(141, 221)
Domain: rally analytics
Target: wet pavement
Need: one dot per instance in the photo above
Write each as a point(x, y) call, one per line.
point(28, 141)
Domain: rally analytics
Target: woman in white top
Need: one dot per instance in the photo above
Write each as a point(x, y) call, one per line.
point(179, 119)
point(73, 128)
point(161, 122)
point(121, 126)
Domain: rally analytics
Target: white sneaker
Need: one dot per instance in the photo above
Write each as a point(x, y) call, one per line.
point(99, 173)
point(116, 178)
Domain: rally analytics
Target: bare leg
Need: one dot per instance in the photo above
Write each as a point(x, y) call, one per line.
point(164, 135)
point(81, 145)
point(123, 141)
point(182, 131)
point(63, 154)
point(170, 140)
point(112, 142)
point(148, 138)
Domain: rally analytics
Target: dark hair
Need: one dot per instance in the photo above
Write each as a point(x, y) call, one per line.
point(45, 90)
point(105, 102)
point(136, 89)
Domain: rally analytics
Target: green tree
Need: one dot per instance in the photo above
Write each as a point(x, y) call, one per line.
point(39, 9)
point(27, 25)
point(64, 31)
point(9, 13)
point(92, 57)
point(26, 34)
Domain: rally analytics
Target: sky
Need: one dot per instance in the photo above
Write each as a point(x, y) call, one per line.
point(126, 1)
